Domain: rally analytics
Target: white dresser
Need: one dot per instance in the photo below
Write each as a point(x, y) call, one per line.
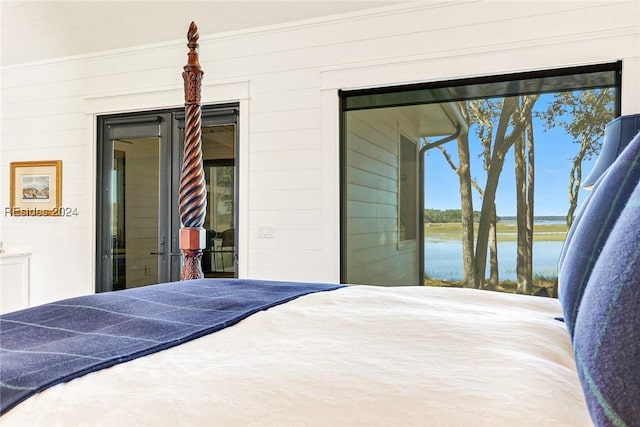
point(14, 281)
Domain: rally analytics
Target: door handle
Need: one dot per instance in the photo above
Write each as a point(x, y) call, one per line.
point(162, 253)
point(161, 247)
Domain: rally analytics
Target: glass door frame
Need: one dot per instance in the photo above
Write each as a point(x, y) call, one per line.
point(170, 123)
point(146, 125)
point(219, 115)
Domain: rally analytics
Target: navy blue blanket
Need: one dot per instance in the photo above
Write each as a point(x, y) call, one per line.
point(53, 343)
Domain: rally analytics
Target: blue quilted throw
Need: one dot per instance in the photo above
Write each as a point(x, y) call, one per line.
point(53, 343)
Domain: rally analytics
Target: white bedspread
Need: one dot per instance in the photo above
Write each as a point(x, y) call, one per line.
point(361, 355)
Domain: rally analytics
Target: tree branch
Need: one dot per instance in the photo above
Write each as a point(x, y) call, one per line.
point(447, 157)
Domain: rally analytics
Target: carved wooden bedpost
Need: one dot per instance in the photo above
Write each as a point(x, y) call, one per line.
point(193, 195)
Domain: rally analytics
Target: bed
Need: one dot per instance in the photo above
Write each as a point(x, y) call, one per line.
point(357, 355)
point(252, 352)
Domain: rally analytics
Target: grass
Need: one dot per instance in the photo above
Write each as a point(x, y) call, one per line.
point(507, 232)
point(543, 286)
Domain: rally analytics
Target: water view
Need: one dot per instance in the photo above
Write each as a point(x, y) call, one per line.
point(443, 249)
point(443, 259)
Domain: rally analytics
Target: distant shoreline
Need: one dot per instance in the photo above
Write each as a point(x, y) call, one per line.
point(507, 232)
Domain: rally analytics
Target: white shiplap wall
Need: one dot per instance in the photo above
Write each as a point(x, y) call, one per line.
point(286, 79)
point(375, 254)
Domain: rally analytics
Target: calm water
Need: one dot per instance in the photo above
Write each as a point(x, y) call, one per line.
point(443, 259)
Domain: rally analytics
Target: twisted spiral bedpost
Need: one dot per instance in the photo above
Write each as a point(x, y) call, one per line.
point(192, 198)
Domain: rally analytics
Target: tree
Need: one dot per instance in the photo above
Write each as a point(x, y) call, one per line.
point(524, 173)
point(513, 117)
point(480, 113)
point(583, 115)
point(484, 113)
point(509, 123)
point(445, 216)
point(530, 200)
point(467, 214)
point(464, 174)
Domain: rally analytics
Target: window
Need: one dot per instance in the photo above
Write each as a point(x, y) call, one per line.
point(407, 192)
point(481, 200)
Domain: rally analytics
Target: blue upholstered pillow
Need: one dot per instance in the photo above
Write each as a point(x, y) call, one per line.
point(589, 234)
point(607, 329)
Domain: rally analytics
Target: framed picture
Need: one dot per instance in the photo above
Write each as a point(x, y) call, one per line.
point(35, 188)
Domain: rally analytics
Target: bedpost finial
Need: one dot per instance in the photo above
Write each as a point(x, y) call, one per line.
point(192, 43)
point(192, 74)
point(192, 35)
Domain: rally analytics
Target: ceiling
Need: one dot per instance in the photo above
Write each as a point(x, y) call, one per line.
point(41, 30)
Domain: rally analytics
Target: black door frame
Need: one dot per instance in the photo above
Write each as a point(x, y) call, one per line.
point(169, 124)
point(218, 115)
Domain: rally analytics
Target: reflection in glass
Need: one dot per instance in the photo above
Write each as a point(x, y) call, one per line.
point(134, 212)
point(218, 149)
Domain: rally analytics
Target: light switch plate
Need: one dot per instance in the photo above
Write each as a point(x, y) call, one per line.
point(265, 231)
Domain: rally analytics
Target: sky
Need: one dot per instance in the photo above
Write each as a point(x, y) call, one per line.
point(554, 151)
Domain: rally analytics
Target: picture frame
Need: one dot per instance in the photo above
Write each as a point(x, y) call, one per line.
point(35, 188)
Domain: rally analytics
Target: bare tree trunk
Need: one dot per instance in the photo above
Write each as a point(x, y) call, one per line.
point(466, 206)
point(485, 218)
point(494, 277)
point(524, 162)
point(521, 212)
point(466, 201)
point(530, 200)
point(493, 175)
